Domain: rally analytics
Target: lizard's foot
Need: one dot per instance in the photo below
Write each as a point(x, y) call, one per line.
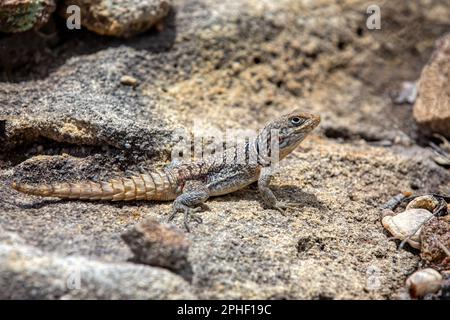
point(283, 206)
point(189, 214)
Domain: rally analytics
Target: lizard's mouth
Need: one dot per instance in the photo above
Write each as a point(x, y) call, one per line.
point(315, 120)
point(309, 125)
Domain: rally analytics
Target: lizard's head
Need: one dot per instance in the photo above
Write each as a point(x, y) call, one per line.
point(292, 129)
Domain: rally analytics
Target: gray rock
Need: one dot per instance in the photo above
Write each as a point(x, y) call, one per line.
point(28, 273)
point(10, 238)
point(84, 111)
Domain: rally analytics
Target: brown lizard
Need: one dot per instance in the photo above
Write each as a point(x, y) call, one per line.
point(191, 183)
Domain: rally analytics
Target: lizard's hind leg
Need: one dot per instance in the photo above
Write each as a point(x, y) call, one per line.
point(190, 201)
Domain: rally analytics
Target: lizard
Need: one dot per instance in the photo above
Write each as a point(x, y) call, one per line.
point(189, 183)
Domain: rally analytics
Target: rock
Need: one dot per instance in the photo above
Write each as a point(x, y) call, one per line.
point(128, 81)
point(406, 223)
point(442, 160)
point(100, 115)
point(10, 238)
point(23, 15)
point(29, 273)
point(434, 236)
point(120, 18)
point(432, 108)
point(427, 202)
point(423, 282)
point(387, 213)
point(160, 245)
point(406, 94)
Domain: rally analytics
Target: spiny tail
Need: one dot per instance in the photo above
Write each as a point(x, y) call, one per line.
point(151, 186)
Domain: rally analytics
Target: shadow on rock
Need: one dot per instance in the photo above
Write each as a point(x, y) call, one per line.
point(48, 49)
point(289, 193)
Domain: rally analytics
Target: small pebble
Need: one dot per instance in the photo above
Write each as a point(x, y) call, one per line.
point(427, 202)
point(406, 223)
point(128, 81)
point(423, 282)
point(406, 94)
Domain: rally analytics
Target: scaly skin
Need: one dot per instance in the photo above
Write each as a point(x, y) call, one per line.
point(190, 184)
point(151, 186)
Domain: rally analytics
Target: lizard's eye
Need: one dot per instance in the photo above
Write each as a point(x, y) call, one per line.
point(296, 121)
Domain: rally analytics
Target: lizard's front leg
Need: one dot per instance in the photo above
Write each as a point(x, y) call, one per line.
point(195, 193)
point(267, 195)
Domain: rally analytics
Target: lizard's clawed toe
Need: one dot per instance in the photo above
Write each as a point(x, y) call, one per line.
point(172, 216)
point(196, 218)
point(189, 215)
point(284, 206)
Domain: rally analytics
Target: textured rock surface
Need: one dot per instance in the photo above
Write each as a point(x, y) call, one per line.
point(85, 111)
point(22, 15)
point(29, 273)
point(434, 235)
point(120, 18)
point(432, 108)
point(224, 65)
point(160, 245)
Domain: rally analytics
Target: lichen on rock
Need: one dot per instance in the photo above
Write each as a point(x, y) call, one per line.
point(23, 15)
